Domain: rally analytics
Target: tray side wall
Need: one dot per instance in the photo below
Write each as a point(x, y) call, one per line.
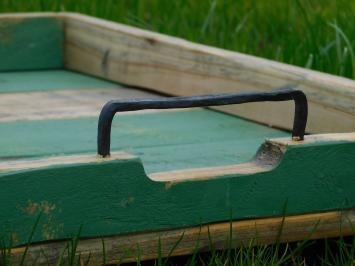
point(177, 67)
point(116, 196)
point(31, 42)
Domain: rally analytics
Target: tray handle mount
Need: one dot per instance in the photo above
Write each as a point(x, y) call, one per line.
point(112, 107)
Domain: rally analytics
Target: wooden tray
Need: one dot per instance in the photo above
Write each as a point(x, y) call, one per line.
point(190, 174)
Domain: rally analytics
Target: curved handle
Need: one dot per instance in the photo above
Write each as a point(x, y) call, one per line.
point(112, 107)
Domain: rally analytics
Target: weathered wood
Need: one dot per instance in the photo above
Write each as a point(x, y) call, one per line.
point(117, 197)
point(57, 94)
point(174, 66)
point(177, 67)
point(313, 139)
point(62, 104)
point(31, 42)
point(27, 164)
point(163, 140)
point(127, 248)
point(267, 158)
point(50, 80)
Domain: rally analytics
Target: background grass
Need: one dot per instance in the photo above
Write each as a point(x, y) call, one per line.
point(317, 34)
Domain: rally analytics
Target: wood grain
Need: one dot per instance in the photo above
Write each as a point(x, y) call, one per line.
point(267, 158)
point(313, 139)
point(244, 233)
point(177, 67)
point(115, 197)
point(63, 104)
point(36, 163)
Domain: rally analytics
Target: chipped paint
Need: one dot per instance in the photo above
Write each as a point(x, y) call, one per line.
point(50, 228)
point(36, 207)
point(127, 202)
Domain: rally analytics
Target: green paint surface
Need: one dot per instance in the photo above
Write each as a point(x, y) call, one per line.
point(115, 197)
point(164, 141)
point(27, 81)
point(32, 43)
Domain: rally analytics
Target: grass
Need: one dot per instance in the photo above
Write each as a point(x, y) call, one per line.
point(317, 34)
point(340, 251)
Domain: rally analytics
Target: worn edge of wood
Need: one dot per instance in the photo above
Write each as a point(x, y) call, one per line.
point(33, 163)
point(244, 233)
point(268, 157)
point(316, 138)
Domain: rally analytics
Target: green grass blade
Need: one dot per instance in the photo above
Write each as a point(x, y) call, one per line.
point(30, 239)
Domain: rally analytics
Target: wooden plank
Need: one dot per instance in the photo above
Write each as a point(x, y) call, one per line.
point(177, 67)
point(267, 158)
point(127, 248)
point(66, 104)
point(57, 94)
point(117, 197)
point(27, 164)
point(314, 139)
point(210, 172)
point(50, 80)
point(163, 140)
point(174, 66)
point(31, 42)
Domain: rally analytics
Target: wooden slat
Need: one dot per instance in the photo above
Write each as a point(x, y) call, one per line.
point(247, 232)
point(63, 103)
point(36, 163)
point(30, 42)
point(164, 140)
point(312, 139)
point(267, 158)
point(50, 80)
point(174, 66)
point(210, 172)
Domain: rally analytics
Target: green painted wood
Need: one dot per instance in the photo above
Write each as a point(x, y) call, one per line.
point(31, 43)
point(164, 141)
point(47, 80)
point(117, 197)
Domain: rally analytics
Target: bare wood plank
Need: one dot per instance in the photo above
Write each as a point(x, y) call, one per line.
point(61, 104)
point(210, 172)
point(310, 139)
point(177, 67)
point(247, 232)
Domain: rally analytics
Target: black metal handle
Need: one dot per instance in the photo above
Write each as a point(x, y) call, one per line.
point(112, 107)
